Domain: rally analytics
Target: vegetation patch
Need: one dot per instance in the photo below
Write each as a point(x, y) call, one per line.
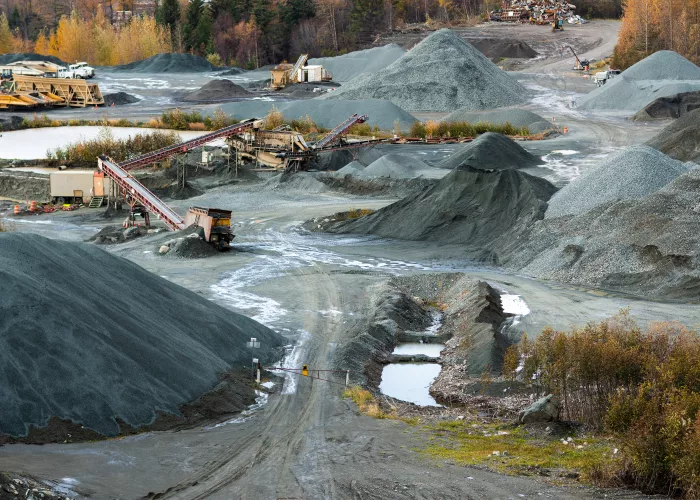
point(461, 129)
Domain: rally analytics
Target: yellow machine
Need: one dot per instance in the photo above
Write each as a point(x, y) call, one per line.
point(59, 91)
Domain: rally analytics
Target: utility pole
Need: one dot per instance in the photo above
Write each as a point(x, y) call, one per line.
point(254, 344)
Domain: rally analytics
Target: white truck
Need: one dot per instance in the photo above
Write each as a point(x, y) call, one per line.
point(603, 76)
point(82, 70)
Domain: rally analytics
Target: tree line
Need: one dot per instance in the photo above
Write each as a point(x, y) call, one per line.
point(652, 25)
point(246, 33)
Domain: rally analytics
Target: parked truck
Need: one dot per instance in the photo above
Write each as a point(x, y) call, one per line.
point(82, 70)
point(603, 76)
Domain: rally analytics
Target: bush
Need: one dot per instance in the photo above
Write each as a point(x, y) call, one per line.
point(273, 119)
point(642, 385)
point(119, 150)
point(180, 120)
point(446, 130)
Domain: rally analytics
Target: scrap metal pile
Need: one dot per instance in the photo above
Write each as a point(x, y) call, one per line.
point(536, 12)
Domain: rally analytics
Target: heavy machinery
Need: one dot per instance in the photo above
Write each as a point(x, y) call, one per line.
point(558, 23)
point(580, 65)
point(286, 74)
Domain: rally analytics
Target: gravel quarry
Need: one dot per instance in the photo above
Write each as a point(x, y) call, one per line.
point(441, 73)
point(430, 256)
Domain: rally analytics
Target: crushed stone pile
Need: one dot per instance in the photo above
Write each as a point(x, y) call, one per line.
point(662, 74)
point(680, 139)
point(490, 151)
point(346, 67)
point(485, 211)
point(495, 48)
point(515, 116)
point(232, 71)
point(301, 181)
point(629, 174)
point(397, 166)
point(120, 98)
point(352, 168)
point(169, 63)
point(645, 246)
point(441, 73)
point(670, 107)
point(28, 56)
point(78, 322)
point(217, 90)
point(326, 113)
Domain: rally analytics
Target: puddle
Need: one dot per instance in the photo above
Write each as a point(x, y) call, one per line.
point(32, 144)
point(411, 348)
point(419, 377)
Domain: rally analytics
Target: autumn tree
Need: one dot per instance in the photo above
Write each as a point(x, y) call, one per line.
point(6, 38)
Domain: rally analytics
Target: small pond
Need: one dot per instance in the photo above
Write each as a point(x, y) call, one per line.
point(410, 382)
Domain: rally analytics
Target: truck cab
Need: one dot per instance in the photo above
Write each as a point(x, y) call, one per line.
point(82, 70)
point(603, 76)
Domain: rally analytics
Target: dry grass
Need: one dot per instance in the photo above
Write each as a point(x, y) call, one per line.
point(365, 401)
point(273, 119)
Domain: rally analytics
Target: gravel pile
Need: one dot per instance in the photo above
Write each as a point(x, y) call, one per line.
point(28, 56)
point(646, 246)
point(352, 168)
point(397, 166)
point(670, 107)
point(217, 90)
point(346, 67)
point(169, 63)
point(326, 113)
point(504, 48)
point(119, 99)
point(469, 207)
point(71, 334)
point(441, 73)
point(662, 74)
point(681, 139)
point(490, 151)
point(630, 174)
point(515, 116)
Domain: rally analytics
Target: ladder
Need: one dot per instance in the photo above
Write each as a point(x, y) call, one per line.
point(96, 202)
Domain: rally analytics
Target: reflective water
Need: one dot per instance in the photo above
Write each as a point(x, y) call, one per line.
point(410, 382)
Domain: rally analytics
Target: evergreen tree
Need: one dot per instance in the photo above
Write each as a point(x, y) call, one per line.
point(15, 19)
point(365, 17)
point(192, 17)
point(296, 11)
point(203, 39)
point(168, 14)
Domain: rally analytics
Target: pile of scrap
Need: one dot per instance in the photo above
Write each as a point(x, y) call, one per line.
point(536, 12)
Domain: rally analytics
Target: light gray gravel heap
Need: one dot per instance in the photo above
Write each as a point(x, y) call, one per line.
point(630, 174)
point(348, 66)
point(326, 113)
point(662, 74)
point(515, 116)
point(91, 337)
point(352, 168)
point(441, 73)
point(396, 166)
point(490, 151)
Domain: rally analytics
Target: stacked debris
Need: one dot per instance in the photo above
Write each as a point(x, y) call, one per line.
point(536, 12)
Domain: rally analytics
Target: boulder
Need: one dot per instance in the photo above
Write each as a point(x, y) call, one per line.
point(545, 409)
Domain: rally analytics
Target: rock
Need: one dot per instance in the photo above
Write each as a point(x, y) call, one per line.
point(131, 232)
point(545, 409)
point(164, 249)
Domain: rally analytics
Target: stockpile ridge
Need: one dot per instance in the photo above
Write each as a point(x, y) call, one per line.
point(490, 151)
point(441, 73)
point(169, 63)
point(630, 174)
point(91, 337)
point(681, 139)
point(346, 67)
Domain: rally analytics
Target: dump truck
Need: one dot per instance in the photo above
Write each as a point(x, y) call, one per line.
point(215, 222)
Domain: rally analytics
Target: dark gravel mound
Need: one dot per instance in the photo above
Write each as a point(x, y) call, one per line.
point(10, 122)
point(29, 56)
point(498, 49)
point(469, 207)
point(120, 98)
point(232, 72)
point(169, 63)
point(490, 151)
point(681, 139)
point(442, 73)
point(217, 90)
point(670, 107)
point(90, 337)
